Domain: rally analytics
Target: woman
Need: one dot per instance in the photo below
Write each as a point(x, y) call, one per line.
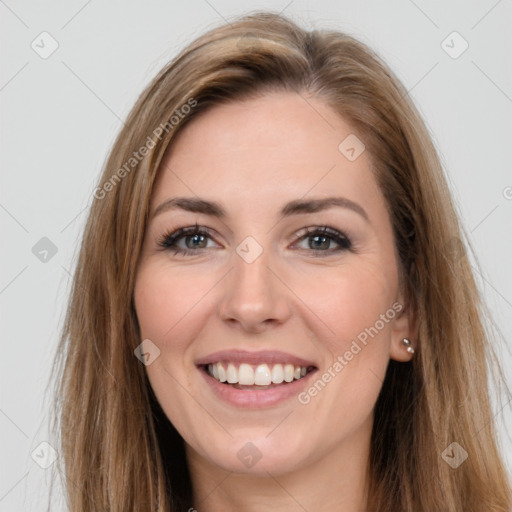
point(272, 307)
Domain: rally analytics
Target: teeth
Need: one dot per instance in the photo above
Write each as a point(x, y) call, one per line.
point(288, 372)
point(221, 372)
point(232, 374)
point(261, 375)
point(278, 374)
point(245, 375)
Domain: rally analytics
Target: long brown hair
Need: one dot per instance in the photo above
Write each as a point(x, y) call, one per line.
point(118, 450)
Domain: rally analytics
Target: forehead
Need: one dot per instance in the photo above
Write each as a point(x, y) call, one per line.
point(277, 147)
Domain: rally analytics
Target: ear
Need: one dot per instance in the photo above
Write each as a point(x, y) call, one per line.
point(403, 327)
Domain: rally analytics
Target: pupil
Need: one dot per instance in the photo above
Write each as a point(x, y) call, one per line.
point(317, 238)
point(196, 238)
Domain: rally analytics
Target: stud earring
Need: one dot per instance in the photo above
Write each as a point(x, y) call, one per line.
point(407, 343)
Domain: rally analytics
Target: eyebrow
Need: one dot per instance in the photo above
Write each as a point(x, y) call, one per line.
point(296, 207)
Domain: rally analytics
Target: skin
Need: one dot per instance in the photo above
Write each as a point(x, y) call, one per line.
point(253, 157)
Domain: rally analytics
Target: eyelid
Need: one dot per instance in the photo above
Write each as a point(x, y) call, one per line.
point(182, 232)
point(340, 237)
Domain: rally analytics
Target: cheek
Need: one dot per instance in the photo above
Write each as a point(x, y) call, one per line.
point(165, 300)
point(350, 300)
point(338, 305)
point(354, 311)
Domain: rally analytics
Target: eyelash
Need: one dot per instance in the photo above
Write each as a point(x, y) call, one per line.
point(169, 239)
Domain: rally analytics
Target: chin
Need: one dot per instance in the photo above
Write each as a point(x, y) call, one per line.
point(259, 452)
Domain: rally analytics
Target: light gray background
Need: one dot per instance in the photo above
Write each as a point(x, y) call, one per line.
point(60, 116)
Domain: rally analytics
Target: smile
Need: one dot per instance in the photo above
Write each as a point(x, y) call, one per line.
point(243, 375)
point(255, 380)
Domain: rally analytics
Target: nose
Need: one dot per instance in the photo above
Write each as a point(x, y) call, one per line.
point(254, 298)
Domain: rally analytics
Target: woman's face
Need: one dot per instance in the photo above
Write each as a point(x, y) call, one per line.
point(263, 293)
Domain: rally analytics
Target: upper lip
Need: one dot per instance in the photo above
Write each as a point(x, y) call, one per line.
point(260, 357)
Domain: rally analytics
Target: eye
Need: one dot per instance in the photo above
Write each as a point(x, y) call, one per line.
point(320, 239)
point(196, 236)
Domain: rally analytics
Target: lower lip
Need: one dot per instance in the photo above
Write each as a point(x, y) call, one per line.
point(256, 399)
